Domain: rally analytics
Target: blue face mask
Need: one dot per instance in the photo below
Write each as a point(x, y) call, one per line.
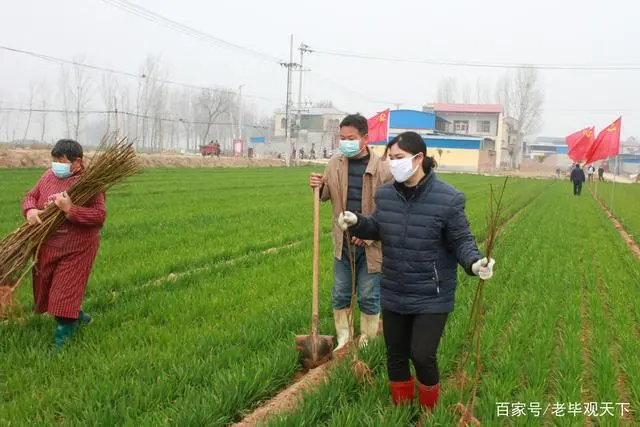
point(61, 170)
point(349, 148)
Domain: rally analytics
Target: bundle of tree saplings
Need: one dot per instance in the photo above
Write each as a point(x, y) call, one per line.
point(113, 163)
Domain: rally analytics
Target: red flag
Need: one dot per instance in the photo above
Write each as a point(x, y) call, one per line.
point(606, 144)
point(579, 143)
point(379, 127)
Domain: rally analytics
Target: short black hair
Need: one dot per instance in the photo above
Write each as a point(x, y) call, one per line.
point(357, 121)
point(67, 148)
point(412, 142)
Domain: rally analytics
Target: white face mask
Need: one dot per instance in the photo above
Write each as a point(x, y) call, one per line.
point(402, 169)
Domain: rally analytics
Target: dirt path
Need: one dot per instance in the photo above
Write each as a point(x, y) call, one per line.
point(289, 398)
point(631, 243)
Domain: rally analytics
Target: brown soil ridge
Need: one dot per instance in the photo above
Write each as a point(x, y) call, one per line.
point(631, 243)
point(291, 397)
point(24, 158)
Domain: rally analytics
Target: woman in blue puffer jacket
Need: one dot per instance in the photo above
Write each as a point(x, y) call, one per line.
point(425, 234)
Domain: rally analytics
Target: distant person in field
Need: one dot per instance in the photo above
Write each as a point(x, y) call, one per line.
point(421, 223)
point(590, 172)
point(600, 173)
point(350, 181)
point(577, 178)
point(65, 260)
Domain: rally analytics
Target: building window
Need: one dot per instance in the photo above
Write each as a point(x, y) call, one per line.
point(483, 126)
point(461, 126)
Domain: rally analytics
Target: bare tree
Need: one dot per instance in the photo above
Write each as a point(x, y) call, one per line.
point(63, 85)
point(447, 90)
point(466, 94)
point(210, 105)
point(151, 104)
point(32, 90)
point(522, 98)
point(483, 92)
point(76, 90)
point(44, 97)
point(325, 103)
point(109, 94)
point(184, 111)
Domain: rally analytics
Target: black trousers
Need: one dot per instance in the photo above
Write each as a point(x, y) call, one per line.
point(415, 338)
point(577, 188)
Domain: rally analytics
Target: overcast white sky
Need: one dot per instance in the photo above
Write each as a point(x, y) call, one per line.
point(506, 31)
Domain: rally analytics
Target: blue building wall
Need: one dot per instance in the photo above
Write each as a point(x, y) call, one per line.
point(436, 141)
point(411, 119)
point(629, 158)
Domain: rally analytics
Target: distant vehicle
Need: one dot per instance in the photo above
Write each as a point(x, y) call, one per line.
point(211, 149)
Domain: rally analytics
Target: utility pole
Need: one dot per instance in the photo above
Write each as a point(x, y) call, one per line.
point(303, 49)
point(289, 66)
point(240, 115)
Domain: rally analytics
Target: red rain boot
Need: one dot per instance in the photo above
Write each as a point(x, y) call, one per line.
point(402, 391)
point(428, 395)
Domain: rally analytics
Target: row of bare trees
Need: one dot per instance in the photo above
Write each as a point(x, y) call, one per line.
point(518, 91)
point(158, 113)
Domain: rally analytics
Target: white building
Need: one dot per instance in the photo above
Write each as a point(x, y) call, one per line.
point(485, 120)
point(314, 120)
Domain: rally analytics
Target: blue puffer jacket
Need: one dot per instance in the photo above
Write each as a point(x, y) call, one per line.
point(423, 240)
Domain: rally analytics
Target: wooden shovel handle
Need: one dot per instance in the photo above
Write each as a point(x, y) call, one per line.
point(316, 259)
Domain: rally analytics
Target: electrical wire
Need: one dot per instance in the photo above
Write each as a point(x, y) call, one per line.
point(474, 64)
point(119, 72)
point(156, 18)
point(128, 114)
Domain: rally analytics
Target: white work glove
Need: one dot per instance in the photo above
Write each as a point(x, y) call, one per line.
point(483, 268)
point(347, 219)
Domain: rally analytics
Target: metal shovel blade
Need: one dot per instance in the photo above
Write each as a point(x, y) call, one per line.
point(314, 349)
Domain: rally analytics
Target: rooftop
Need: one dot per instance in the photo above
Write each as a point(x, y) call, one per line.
point(549, 140)
point(318, 111)
point(467, 108)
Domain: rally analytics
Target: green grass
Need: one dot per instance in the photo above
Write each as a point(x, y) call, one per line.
point(623, 200)
point(206, 346)
point(532, 348)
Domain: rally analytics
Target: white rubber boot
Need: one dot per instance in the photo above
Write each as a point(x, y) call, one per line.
point(368, 328)
point(341, 320)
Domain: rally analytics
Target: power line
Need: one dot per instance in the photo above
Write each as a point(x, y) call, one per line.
point(118, 72)
point(126, 113)
point(156, 18)
point(360, 95)
point(473, 64)
point(185, 29)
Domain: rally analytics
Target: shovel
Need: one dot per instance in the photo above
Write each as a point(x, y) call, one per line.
point(315, 349)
